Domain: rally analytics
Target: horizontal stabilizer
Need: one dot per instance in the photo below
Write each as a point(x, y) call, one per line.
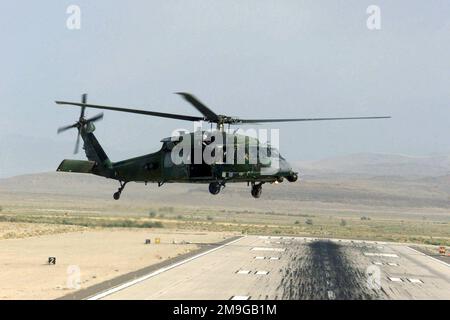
point(80, 166)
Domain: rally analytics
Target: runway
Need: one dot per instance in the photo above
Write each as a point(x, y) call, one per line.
point(259, 267)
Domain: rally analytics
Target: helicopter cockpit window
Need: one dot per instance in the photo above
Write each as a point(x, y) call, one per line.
point(253, 154)
point(275, 154)
point(264, 154)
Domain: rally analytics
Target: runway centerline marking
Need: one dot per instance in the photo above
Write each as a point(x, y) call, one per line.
point(155, 273)
point(376, 254)
point(268, 249)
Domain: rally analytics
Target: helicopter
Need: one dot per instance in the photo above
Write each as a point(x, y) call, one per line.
point(233, 157)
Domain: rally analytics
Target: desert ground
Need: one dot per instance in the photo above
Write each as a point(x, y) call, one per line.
point(73, 217)
point(99, 255)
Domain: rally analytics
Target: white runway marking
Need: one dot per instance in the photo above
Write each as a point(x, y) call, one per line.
point(243, 272)
point(412, 280)
point(393, 279)
point(268, 249)
point(135, 281)
point(375, 254)
point(240, 298)
point(262, 272)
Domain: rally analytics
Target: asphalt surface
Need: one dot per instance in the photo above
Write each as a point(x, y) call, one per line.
point(256, 267)
point(323, 270)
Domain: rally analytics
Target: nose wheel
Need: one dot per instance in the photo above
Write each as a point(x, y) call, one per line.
point(292, 178)
point(215, 187)
point(117, 194)
point(256, 190)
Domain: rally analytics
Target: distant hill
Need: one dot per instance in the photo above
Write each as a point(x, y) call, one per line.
point(377, 164)
point(383, 191)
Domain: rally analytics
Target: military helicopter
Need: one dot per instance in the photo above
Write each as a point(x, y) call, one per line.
point(160, 167)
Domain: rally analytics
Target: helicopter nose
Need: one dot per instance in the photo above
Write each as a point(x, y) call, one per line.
point(285, 166)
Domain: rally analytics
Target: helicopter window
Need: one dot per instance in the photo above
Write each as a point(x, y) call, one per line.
point(264, 154)
point(253, 154)
point(274, 153)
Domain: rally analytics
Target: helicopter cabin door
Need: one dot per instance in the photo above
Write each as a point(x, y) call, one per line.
point(202, 170)
point(172, 171)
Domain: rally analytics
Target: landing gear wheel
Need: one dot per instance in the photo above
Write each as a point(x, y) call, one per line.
point(117, 194)
point(256, 191)
point(214, 188)
point(292, 178)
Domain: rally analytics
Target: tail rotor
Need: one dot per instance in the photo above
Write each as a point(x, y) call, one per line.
point(82, 123)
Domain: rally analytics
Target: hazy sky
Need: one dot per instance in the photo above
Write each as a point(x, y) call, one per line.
point(289, 58)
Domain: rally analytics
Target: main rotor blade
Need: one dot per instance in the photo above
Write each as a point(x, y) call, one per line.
point(77, 144)
point(62, 129)
point(83, 101)
point(95, 118)
point(144, 112)
point(303, 119)
point(208, 113)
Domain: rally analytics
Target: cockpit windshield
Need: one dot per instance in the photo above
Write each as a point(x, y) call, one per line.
point(275, 154)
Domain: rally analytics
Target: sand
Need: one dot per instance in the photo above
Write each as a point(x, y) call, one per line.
point(13, 230)
point(98, 254)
